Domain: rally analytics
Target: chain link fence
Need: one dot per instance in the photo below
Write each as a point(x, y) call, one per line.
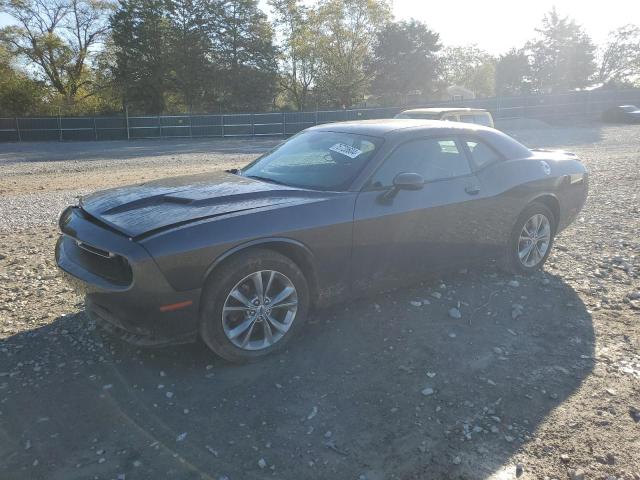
point(587, 105)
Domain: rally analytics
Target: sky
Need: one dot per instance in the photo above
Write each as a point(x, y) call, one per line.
point(498, 25)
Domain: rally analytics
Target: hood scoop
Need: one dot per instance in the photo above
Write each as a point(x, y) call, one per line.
point(147, 202)
point(151, 207)
point(175, 199)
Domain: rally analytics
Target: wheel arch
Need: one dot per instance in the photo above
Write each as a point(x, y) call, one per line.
point(296, 251)
point(552, 203)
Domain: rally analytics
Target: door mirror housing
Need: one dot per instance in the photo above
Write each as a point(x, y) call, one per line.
point(402, 181)
point(408, 181)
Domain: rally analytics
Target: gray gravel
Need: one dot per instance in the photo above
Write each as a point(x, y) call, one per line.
point(539, 376)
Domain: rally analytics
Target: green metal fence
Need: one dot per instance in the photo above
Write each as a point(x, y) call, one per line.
point(588, 105)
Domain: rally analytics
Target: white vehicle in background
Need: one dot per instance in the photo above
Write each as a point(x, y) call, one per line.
point(453, 114)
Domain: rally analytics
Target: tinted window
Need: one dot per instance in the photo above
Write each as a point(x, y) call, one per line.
point(315, 160)
point(477, 118)
point(481, 153)
point(432, 158)
point(482, 119)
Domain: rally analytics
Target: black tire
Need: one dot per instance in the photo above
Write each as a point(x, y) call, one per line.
point(512, 262)
point(222, 281)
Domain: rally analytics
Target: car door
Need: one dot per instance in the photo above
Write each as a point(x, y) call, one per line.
point(415, 231)
point(493, 211)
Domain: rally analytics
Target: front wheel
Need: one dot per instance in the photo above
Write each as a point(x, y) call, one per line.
point(253, 305)
point(531, 239)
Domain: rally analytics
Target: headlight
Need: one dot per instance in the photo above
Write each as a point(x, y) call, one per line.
point(65, 217)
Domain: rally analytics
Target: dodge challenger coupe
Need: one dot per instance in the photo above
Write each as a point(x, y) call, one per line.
point(240, 257)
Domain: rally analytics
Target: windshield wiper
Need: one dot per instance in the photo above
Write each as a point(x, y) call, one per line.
point(266, 179)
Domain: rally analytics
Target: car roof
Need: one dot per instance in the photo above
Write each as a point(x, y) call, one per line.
point(402, 129)
point(391, 126)
point(445, 110)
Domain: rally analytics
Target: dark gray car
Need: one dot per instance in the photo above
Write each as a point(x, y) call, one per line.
point(622, 114)
point(241, 257)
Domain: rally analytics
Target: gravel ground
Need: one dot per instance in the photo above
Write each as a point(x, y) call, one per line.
point(539, 378)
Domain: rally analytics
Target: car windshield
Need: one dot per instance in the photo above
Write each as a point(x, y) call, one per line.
point(318, 160)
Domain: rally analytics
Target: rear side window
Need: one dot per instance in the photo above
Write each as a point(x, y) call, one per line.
point(433, 158)
point(477, 118)
point(482, 154)
point(482, 119)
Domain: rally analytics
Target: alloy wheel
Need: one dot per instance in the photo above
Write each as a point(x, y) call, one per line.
point(534, 240)
point(259, 310)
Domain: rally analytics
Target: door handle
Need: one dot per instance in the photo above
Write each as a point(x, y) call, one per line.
point(472, 189)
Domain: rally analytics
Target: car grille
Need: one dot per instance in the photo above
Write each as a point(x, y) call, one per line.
point(110, 266)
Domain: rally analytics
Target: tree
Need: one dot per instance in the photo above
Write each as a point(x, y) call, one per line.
point(348, 30)
point(562, 58)
point(189, 46)
point(58, 37)
point(243, 50)
point(19, 94)
point(140, 33)
point(298, 56)
point(404, 59)
point(620, 57)
point(512, 73)
point(469, 67)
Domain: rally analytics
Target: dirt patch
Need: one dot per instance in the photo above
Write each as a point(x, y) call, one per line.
point(539, 377)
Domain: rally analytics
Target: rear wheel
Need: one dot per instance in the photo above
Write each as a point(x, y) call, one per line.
point(253, 305)
point(531, 239)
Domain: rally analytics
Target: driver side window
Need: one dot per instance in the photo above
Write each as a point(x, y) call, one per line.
point(433, 158)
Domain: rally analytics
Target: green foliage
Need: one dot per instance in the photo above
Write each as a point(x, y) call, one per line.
point(513, 73)
point(140, 32)
point(405, 60)
point(562, 58)
point(620, 58)
point(19, 94)
point(193, 55)
point(298, 57)
point(170, 56)
point(348, 30)
point(245, 55)
point(191, 73)
point(469, 67)
point(57, 38)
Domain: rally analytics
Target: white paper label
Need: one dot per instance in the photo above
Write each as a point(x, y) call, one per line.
point(346, 150)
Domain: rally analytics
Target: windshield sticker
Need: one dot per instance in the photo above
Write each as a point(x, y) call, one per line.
point(346, 150)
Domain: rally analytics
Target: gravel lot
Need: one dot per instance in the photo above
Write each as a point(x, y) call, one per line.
point(539, 378)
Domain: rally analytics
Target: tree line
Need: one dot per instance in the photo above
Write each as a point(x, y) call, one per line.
point(168, 56)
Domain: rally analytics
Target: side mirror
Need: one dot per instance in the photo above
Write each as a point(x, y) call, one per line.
point(408, 181)
point(402, 181)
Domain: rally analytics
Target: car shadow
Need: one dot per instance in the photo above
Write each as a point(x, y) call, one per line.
point(389, 386)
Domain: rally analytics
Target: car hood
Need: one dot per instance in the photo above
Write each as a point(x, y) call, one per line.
point(140, 209)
